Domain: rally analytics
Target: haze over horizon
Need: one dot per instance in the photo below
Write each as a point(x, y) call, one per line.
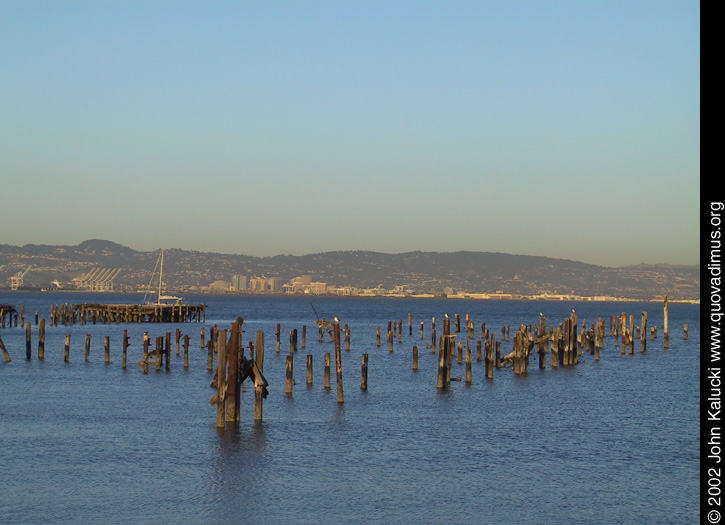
point(566, 130)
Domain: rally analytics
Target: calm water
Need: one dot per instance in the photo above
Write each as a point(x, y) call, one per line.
point(614, 441)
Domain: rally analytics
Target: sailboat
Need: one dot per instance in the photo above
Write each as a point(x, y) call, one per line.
point(161, 299)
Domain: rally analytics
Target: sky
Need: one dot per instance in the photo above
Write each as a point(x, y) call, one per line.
point(566, 129)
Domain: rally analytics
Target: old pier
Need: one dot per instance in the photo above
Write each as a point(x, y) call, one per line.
point(560, 345)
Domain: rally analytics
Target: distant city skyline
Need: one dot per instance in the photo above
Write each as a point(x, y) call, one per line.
point(564, 129)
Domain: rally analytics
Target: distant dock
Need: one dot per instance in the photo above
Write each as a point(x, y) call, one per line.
point(128, 313)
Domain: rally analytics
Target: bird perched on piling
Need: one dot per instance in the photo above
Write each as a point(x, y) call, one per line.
point(336, 320)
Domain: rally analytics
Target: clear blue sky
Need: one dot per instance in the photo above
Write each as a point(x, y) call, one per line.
point(568, 129)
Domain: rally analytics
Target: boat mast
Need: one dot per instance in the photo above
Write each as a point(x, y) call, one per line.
point(161, 274)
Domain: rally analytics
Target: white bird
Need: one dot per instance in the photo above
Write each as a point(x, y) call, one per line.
point(446, 316)
point(337, 320)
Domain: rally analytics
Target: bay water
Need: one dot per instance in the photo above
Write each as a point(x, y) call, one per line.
point(613, 441)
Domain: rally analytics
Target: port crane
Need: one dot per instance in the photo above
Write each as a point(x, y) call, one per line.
point(16, 281)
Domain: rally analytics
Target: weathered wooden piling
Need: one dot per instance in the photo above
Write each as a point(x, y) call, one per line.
point(289, 375)
point(186, 351)
point(210, 355)
point(643, 333)
point(233, 383)
point(599, 338)
point(221, 381)
point(377, 335)
point(259, 383)
point(310, 374)
point(6, 355)
point(41, 339)
point(28, 349)
point(415, 357)
point(338, 365)
point(666, 307)
point(364, 373)
point(107, 349)
point(469, 372)
point(442, 364)
point(410, 324)
point(433, 337)
point(326, 381)
point(279, 334)
point(687, 329)
point(491, 356)
point(125, 348)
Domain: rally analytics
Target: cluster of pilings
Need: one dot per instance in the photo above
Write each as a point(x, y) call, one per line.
point(565, 344)
point(232, 369)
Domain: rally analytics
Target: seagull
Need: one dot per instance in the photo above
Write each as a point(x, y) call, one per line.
point(337, 320)
point(446, 316)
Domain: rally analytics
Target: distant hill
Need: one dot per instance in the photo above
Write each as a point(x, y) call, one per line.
point(422, 272)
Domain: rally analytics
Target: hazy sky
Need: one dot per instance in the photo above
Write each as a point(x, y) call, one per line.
point(569, 129)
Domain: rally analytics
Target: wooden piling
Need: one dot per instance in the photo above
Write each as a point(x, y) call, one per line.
point(643, 333)
point(66, 350)
point(666, 307)
point(210, 355)
point(28, 349)
point(469, 372)
point(442, 364)
point(5, 351)
point(327, 371)
point(338, 365)
point(186, 351)
point(41, 339)
point(221, 381)
point(415, 357)
point(233, 383)
point(259, 389)
point(279, 334)
point(125, 348)
point(289, 375)
point(107, 349)
point(309, 369)
point(364, 373)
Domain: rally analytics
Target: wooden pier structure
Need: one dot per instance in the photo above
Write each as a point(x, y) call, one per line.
point(132, 313)
point(8, 313)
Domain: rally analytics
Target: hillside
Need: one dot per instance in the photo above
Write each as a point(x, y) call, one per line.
point(421, 272)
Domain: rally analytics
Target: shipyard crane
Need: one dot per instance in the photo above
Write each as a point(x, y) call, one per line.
point(16, 281)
